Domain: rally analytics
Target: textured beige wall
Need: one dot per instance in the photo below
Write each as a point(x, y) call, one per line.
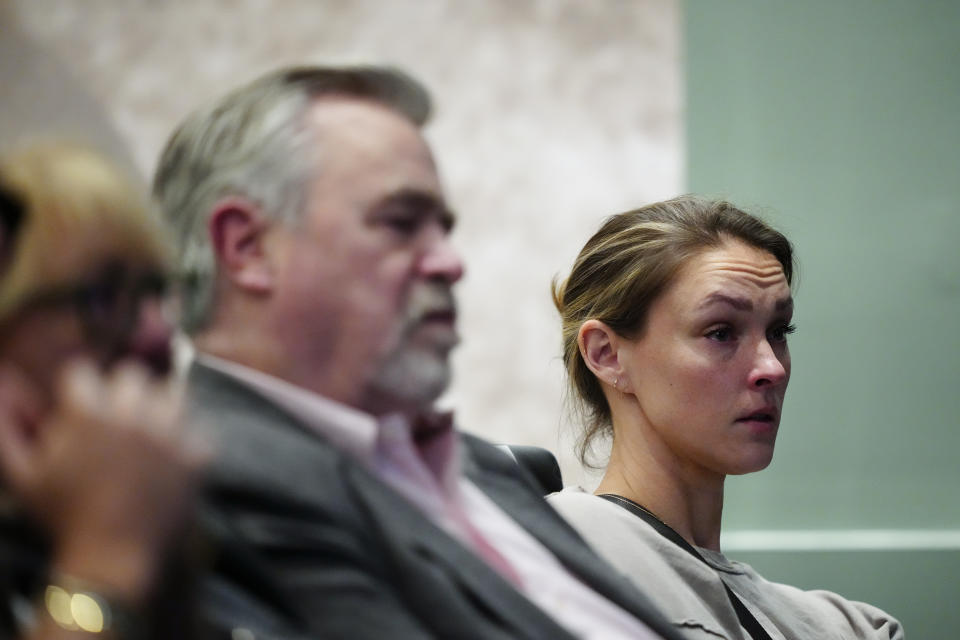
point(551, 115)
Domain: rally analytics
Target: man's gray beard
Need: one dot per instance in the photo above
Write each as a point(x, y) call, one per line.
point(411, 378)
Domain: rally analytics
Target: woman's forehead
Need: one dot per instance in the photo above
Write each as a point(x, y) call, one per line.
point(731, 271)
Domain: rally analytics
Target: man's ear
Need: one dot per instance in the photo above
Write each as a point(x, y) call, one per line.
point(238, 237)
point(599, 348)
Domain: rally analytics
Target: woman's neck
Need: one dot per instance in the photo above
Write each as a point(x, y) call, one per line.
point(686, 498)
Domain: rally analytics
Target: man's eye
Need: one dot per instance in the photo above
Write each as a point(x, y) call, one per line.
point(720, 334)
point(405, 224)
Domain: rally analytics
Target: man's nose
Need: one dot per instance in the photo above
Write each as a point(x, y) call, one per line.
point(769, 366)
point(441, 260)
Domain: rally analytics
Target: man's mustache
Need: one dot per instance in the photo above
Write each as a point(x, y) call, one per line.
point(431, 301)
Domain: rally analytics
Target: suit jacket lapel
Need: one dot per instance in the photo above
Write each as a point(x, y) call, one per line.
point(406, 528)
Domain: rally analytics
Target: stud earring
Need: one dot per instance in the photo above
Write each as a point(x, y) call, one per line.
point(616, 383)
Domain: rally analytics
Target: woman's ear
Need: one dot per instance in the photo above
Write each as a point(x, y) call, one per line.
point(238, 237)
point(599, 348)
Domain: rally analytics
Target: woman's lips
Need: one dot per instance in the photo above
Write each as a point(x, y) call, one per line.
point(757, 417)
point(762, 420)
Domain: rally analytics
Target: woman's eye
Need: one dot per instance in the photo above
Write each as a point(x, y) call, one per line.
point(720, 334)
point(780, 333)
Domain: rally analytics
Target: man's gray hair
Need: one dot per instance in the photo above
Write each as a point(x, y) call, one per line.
point(253, 143)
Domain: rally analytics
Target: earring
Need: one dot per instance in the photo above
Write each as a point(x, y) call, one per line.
point(616, 383)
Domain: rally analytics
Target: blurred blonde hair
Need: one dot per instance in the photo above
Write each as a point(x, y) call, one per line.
point(78, 213)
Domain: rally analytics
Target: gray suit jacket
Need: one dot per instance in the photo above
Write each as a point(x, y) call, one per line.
point(311, 545)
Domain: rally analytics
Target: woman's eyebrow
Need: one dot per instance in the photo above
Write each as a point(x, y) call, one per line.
point(784, 304)
point(738, 303)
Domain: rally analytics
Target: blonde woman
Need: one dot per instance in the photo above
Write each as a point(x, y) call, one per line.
point(676, 320)
point(96, 478)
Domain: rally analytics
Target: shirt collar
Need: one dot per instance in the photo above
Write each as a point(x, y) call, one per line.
point(350, 430)
point(347, 429)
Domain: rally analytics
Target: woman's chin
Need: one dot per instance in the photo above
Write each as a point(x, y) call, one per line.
point(757, 460)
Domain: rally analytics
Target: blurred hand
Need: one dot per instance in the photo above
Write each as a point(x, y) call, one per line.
point(21, 406)
point(108, 471)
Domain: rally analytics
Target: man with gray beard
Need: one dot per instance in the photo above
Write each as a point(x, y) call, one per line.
point(313, 236)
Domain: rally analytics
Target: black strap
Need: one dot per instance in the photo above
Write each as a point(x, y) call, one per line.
point(747, 620)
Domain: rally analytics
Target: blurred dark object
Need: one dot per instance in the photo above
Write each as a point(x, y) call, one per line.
point(538, 462)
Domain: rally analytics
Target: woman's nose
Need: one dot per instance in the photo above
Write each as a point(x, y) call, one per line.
point(770, 366)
